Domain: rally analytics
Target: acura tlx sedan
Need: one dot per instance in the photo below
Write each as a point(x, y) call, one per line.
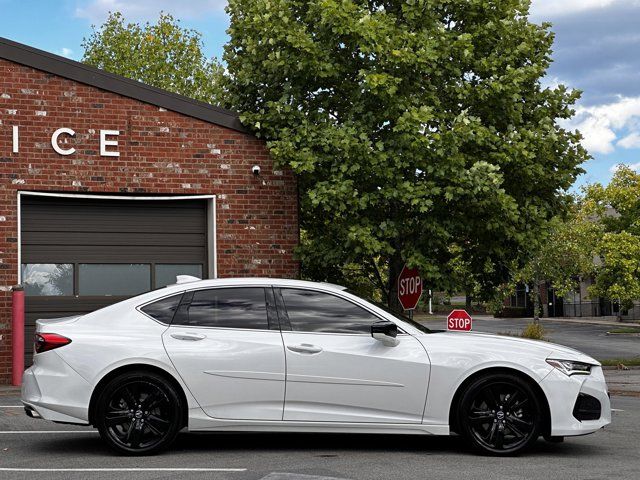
point(291, 356)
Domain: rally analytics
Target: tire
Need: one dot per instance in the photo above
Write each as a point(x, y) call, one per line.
point(139, 413)
point(500, 414)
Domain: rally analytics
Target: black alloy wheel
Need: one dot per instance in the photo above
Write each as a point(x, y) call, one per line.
point(500, 414)
point(139, 413)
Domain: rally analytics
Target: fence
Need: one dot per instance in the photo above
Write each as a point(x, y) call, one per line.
point(600, 308)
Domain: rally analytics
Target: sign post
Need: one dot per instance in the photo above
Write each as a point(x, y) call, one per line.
point(459, 320)
point(409, 288)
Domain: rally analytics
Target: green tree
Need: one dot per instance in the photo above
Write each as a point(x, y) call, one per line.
point(616, 207)
point(599, 238)
point(414, 127)
point(163, 55)
point(565, 252)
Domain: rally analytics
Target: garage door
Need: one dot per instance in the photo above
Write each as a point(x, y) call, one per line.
point(81, 254)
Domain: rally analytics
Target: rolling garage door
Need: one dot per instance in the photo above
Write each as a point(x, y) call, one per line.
point(81, 254)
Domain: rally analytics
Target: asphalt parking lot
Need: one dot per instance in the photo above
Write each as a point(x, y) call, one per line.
point(36, 449)
point(589, 338)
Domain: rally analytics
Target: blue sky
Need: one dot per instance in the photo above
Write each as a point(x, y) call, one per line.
point(597, 50)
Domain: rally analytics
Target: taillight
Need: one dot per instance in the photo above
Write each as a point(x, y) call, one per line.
point(48, 341)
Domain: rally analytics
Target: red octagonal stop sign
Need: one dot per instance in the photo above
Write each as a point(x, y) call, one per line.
point(409, 288)
point(459, 320)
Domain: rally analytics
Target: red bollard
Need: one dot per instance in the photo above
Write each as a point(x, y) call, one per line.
point(17, 335)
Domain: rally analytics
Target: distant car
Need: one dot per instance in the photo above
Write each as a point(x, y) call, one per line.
point(292, 356)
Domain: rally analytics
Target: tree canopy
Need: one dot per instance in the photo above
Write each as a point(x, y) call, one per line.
point(599, 239)
point(420, 130)
point(163, 55)
point(616, 207)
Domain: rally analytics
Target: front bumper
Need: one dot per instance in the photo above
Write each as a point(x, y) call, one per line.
point(562, 394)
point(56, 392)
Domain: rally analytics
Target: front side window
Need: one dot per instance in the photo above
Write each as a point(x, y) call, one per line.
point(311, 311)
point(227, 308)
point(164, 309)
point(47, 279)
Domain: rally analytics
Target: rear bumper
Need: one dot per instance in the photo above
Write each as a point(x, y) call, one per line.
point(562, 393)
point(52, 390)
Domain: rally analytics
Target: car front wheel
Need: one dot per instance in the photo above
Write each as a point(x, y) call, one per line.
point(139, 413)
point(500, 414)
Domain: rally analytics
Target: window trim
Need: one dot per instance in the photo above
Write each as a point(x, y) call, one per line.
point(285, 313)
point(272, 324)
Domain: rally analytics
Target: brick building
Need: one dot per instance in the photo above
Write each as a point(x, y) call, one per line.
point(109, 187)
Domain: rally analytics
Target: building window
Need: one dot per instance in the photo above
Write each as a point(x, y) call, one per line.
point(118, 279)
point(166, 273)
point(519, 297)
point(47, 279)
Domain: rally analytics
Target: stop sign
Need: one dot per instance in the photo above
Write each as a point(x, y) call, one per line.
point(409, 288)
point(459, 320)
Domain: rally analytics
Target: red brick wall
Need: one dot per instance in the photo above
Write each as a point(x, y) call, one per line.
point(160, 152)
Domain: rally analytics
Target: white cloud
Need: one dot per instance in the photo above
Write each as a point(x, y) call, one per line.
point(630, 141)
point(553, 82)
point(66, 52)
point(546, 9)
point(97, 10)
point(600, 125)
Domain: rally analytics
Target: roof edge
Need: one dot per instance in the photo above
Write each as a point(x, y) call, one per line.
point(95, 77)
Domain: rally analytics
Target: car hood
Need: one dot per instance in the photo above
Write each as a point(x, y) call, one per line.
point(546, 349)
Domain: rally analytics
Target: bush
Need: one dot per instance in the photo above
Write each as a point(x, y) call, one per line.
point(533, 331)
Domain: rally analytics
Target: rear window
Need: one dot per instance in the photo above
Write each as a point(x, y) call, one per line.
point(164, 309)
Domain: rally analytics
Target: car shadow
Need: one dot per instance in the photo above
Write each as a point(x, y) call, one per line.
point(319, 444)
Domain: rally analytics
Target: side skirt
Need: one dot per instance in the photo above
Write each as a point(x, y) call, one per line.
point(199, 422)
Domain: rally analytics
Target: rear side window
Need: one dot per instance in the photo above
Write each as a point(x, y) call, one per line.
point(227, 308)
point(311, 311)
point(163, 310)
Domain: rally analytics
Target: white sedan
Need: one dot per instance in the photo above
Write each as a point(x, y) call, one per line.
point(292, 356)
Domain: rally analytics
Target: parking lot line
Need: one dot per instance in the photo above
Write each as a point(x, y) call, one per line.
point(11, 406)
point(176, 469)
point(19, 432)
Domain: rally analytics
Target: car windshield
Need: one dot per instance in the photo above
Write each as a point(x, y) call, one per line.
point(399, 316)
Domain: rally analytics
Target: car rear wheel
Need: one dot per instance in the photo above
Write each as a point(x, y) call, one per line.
point(139, 413)
point(500, 414)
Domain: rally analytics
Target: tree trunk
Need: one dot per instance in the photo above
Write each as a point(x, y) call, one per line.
point(467, 300)
point(536, 300)
point(395, 268)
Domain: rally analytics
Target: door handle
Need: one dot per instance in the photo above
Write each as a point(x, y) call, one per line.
point(188, 336)
point(304, 348)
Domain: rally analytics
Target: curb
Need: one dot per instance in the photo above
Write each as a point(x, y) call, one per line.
point(611, 367)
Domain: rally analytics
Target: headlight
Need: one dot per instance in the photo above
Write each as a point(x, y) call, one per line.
point(570, 367)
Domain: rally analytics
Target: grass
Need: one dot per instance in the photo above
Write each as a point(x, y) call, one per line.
point(625, 330)
point(614, 362)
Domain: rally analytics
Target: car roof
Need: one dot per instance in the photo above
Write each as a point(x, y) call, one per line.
point(237, 281)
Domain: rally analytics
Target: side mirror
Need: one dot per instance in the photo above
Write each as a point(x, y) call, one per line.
point(385, 332)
